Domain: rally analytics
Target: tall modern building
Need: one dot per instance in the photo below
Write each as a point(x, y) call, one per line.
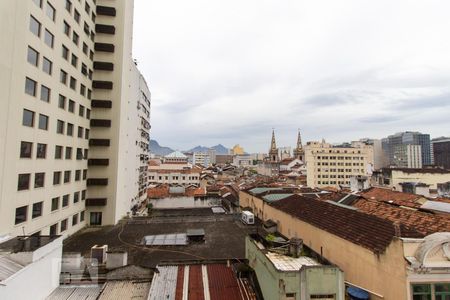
point(392, 144)
point(441, 152)
point(74, 122)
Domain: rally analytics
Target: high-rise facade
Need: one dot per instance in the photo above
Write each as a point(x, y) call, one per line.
point(408, 138)
point(441, 152)
point(58, 61)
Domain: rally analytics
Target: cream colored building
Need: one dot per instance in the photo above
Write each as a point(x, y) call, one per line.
point(393, 177)
point(173, 169)
point(331, 166)
point(59, 118)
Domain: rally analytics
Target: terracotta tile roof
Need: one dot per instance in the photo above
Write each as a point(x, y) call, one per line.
point(423, 222)
point(399, 198)
point(333, 196)
point(362, 229)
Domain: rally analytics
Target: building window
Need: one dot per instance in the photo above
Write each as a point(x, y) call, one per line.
point(43, 122)
point(74, 60)
point(84, 69)
point(30, 86)
point(73, 83)
point(55, 203)
point(81, 111)
point(88, 113)
point(80, 132)
point(83, 194)
point(45, 93)
point(79, 153)
point(28, 118)
point(47, 66)
point(53, 229)
point(86, 134)
point(77, 175)
point(74, 220)
point(38, 3)
point(39, 179)
point(76, 197)
point(60, 127)
point(66, 29)
point(23, 182)
point(62, 102)
point(442, 291)
point(50, 11)
point(69, 129)
point(41, 150)
point(37, 210)
point(421, 291)
point(82, 90)
point(66, 176)
point(21, 214)
point(68, 6)
point(58, 152)
point(82, 216)
point(84, 174)
point(26, 149)
point(65, 200)
point(75, 38)
point(49, 38)
point(35, 26)
point(63, 225)
point(71, 106)
point(76, 16)
point(63, 77)
point(56, 177)
point(96, 218)
point(32, 56)
point(68, 152)
point(65, 52)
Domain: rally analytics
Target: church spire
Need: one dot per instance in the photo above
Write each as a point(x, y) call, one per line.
point(273, 144)
point(273, 152)
point(298, 151)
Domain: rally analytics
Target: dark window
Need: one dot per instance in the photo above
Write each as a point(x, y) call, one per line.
point(71, 105)
point(84, 174)
point(30, 86)
point(66, 176)
point(55, 203)
point(35, 26)
point(50, 11)
point(63, 76)
point(28, 118)
point(79, 153)
point(86, 134)
point(43, 122)
point(21, 214)
point(421, 291)
point(60, 127)
point(76, 197)
point(82, 216)
point(87, 8)
point(68, 6)
point(82, 90)
point(70, 129)
point(49, 38)
point(76, 16)
point(74, 60)
point(89, 93)
point(54, 229)
point(47, 66)
point(75, 38)
point(73, 83)
point(32, 56)
point(26, 149)
point(74, 220)
point(85, 48)
point(65, 200)
point(62, 102)
point(91, 55)
point(80, 132)
point(41, 150)
point(65, 52)
point(77, 175)
point(85, 154)
point(39, 179)
point(68, 152)
point(56, 177)
point(37, 210)
point(23, 182)
point(96, 218)
point(81, 111)
point(58, 152)
point(84, 69)
point(83, 194)
point(45, 93)
point(66, 28)
point(64, 225)
point(88, 113)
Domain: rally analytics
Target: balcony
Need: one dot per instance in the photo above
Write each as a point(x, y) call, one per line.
point(106, 11)
point(100, 123)
point(101, 103)
point(104, 66)
point(104, 47)
point(97, 181)
point(99, 142)
point(98, 162)
point(107, 29)
point(96, 201)
point(104, 85)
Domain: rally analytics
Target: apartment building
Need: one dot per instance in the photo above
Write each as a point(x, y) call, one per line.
point(393, 143)
point(441, 152)
point(55, 142)
point(331, 166)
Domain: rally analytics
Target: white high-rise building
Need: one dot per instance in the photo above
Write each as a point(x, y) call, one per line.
point(74, 122)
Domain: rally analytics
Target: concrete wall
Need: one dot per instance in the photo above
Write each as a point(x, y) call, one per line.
point(361, 266)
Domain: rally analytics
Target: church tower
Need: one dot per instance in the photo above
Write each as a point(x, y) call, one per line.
point(299, 153)
point(273, 152)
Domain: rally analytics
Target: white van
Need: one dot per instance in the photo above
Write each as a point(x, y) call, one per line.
point(247, 217)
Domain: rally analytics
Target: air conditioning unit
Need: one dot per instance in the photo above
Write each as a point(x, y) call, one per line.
point(99, 253)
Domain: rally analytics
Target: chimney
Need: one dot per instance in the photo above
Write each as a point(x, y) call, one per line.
point(295, 247)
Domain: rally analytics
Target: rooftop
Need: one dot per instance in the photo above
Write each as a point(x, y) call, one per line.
point(288, 263)
point(175, 154)
point(26, 243)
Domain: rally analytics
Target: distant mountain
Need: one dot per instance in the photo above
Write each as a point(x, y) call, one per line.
point(220, 149)
point(155, 148)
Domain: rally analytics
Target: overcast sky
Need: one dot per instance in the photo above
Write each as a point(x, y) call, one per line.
point(230, 71)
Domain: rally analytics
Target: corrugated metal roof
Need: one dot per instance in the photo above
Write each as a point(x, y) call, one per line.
point(164, 283)
point(75, 293)
point(125, 290)
point(8, 267)
point(287, 263)
point(260, 190)
point(435, 205)
point(276, 197)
